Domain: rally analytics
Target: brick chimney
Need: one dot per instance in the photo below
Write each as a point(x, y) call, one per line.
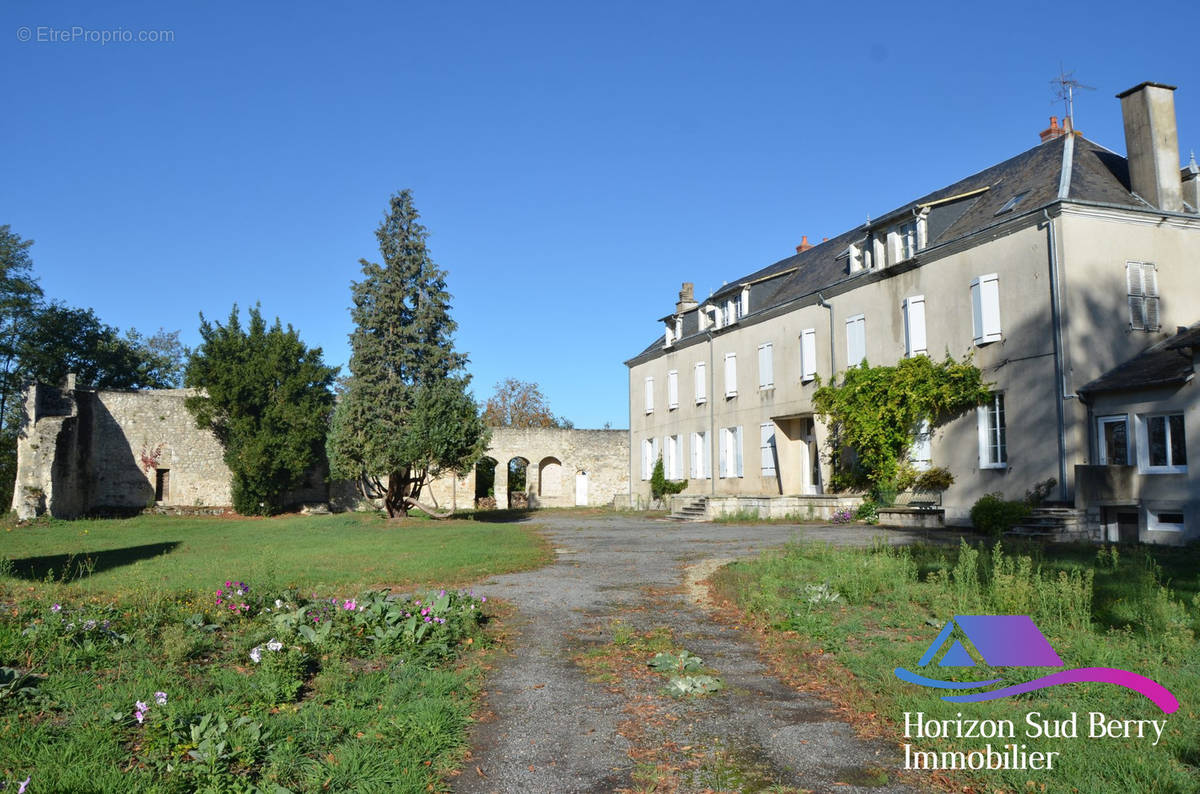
point(1152, 144)
point(804, 244)
point(687, 297)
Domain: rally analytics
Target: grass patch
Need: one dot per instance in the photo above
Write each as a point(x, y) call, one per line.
point(325, 552)
point(1135, 609)
point(171, 654)
point(747, 515)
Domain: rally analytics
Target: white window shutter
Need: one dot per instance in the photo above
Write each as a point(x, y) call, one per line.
point(1133, 279)
point(856, 340)
point(737, 450)
point(921, 452)
point(766, 432)
point(731, 374)
point(695, 458)
point(744, 307)
point(668, 456)
point(985, 308)
point(707, 462)
point(984, 443)
point(766, 367)
point(914, 325)
point(701, 385)
point(808, 355)
point(673, 389)
point(646, 463)
point(650, 395)
point(723, 448)
point(1150, 285)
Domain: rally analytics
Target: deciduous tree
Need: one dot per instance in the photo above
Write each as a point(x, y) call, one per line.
point(519, 403)
point(405, 416)
point(267, 398)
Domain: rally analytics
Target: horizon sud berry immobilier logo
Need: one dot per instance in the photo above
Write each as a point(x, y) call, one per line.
point(1015, 641)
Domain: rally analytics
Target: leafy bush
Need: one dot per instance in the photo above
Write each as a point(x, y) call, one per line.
point(933, 480)
point(843, 516)
point(995, 516)
point(1038, 493)
point(683, 662)
point(660, 486)
point(687, 685)
point(868, 511)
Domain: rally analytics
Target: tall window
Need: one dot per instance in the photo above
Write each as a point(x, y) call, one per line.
point(914, 325)
point(808, 355)
point(649, 395)
point(731, 374)
point(673, 458)
point(856, 340)
point(1162, 444)
point(993, 444)
point(766, 367)
point(701, 383)
point(920, 454)
point(1142, 281)
point(766, 445)
point(907, 241)
point(731, 451)
point(985, 309)
point(672, 390)
point(649, 456)
point(701, 456)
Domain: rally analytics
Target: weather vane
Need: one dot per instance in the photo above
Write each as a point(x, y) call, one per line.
point(1065, 86)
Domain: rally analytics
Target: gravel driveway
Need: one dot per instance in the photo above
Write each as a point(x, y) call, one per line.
point(551, 730)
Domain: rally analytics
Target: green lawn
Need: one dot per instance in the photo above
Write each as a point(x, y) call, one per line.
point(123, 669)
point(326, 553)
point(844, 619)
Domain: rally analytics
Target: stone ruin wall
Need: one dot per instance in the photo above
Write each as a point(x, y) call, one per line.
point(84, 452)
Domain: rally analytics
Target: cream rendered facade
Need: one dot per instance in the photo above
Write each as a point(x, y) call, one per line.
point(1059, 266)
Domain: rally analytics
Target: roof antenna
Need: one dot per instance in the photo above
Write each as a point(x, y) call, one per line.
point(1065, 86)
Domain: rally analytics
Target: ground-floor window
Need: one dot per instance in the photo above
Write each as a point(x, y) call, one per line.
point(993, 435)
point(731, 451)
point(1163, 444)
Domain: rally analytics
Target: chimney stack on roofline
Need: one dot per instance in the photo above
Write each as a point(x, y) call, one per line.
point(1055, 131)
point(804, 244)
point(687, 298)
point(1152, 144)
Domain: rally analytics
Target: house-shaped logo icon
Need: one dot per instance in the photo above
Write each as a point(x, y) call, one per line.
point(1014, 641)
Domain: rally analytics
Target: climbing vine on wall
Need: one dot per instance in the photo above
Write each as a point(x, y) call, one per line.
point(874, 413)
point(151, 457)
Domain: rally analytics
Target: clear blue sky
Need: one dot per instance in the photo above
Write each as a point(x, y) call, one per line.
point(573, 162)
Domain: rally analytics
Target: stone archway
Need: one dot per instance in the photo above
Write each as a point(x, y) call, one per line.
point(485, 483)
point(518, 481)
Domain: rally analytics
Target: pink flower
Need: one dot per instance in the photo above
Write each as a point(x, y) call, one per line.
point(23, 784)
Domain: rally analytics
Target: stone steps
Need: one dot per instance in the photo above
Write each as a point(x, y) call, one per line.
point(1053, 523)
point(695, 510)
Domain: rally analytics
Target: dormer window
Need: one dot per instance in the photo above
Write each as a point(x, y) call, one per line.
point(855, 255)
point(679, 327)
point(907, 240)
point(669, 338)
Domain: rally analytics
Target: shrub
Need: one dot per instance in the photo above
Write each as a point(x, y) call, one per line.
point(995, 516)
point(660, 486)
point(867, 511)
point(1038, 493)
point(934, 480)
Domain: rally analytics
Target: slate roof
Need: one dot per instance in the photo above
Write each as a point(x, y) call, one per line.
point(1097, 175)
point(1164, 364)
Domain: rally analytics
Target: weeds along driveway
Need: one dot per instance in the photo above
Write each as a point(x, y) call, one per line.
point(571, 711)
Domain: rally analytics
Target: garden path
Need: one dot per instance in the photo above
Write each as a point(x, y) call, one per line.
point(548, 729)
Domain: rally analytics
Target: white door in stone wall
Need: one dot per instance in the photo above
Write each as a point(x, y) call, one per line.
point(581, 485)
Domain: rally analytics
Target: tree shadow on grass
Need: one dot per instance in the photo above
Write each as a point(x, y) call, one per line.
point(498, 516)
point(72, 567)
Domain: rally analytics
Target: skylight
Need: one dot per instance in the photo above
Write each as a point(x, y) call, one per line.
point(1012, 202)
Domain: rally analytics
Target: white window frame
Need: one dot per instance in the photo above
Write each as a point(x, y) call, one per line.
point(989, 436)
point(1143, 443)
point(672, 457)
point(701, 455)
point(908, 240)
point(731, 452)
point(1102, 446)
point(649, 394)
point(700, 382)
point(915, 343)
point(1154, 525)
point(766, 366)
point(648, 457)
point(856, 327)
point(985, 309)
point(808, 355)
point(1141, 286)
point(766, 446)
point(731, 389)
point(672, 390)
point(920, 453)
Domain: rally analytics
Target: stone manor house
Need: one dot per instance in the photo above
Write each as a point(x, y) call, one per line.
point(1069, 271)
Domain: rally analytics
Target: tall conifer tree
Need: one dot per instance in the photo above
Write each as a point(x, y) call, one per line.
point(405, 415)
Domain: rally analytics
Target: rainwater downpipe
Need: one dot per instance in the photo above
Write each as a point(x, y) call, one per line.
point(711, 387)
point(826, 304)
point(1060, 376)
